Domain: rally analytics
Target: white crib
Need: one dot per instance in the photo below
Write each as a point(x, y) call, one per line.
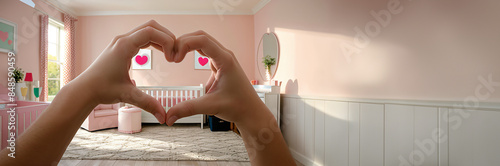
point(169, 96)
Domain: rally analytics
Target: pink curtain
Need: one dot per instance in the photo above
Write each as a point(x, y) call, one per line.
point(44, 40)
point(68, 71)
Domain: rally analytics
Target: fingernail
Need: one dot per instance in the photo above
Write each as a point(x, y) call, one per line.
point(160, 118)
point(171, 121)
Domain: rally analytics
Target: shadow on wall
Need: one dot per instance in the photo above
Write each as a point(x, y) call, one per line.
point(292, 87)
point(310, 125)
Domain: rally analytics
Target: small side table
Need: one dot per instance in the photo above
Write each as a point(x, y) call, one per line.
point(129, 120)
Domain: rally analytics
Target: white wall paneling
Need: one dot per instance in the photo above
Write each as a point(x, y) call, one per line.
point(443, 137)
point(300, 109)
point(474, 137)
point(293, 132)
point(399, 134)
point(309, 129)
point(371, 134)
point(319, 132)
point(426, 136)
point(353, 130)
point(335, 132)
point(285, 119)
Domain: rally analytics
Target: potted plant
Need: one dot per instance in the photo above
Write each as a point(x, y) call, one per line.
point(268, 62)
point(18, 77)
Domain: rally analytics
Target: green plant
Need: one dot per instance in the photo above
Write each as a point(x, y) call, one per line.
point(268, 61)
point(18, 74)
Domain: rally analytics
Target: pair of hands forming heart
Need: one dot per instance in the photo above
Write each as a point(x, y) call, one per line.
point(229, 93)
point(229, 96)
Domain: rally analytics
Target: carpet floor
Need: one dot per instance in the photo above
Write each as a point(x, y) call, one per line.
point(157, 142)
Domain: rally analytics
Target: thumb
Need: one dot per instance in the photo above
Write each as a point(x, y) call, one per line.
point(202, 105)
point(146, 102)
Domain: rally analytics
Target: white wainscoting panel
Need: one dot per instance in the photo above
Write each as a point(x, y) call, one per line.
point(474, 137)
point(293, 124)
point(371, 134)
point(443, 137)
point(353, 134)
point(319, 132)
point(309, 129)
point(399, 134)
point(426, 136)
point(286, 119)
point(336, 133)
point(300, 109)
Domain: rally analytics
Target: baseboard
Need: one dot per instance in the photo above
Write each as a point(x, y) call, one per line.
point(302, 159)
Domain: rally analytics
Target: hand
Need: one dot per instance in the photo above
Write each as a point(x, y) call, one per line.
point(108, 76)
point(229, 94)
point(231, 97)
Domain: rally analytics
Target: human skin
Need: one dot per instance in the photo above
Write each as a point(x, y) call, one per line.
point(229, 96)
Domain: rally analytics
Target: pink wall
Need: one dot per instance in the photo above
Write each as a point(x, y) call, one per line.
point(235, 32)
point(28, 32)
point(430, 50)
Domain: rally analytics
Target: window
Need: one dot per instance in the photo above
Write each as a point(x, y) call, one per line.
point(55, 57)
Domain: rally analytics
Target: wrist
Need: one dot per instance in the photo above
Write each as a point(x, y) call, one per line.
point(77, 94)
point(257, 118)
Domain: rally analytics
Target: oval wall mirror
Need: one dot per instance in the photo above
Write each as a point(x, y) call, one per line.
point(268, 55)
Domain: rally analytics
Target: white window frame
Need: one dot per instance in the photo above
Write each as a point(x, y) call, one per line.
point(59, 51)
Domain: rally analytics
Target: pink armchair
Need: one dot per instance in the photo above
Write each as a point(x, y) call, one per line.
point(102, 117)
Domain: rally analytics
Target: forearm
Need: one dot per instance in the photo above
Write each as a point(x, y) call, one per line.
point(263, 140)
point(45, 141)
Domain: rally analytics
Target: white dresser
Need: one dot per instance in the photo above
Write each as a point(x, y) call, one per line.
point(270, 95)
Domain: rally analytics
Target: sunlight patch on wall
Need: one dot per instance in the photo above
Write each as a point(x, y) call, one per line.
point(317, 61)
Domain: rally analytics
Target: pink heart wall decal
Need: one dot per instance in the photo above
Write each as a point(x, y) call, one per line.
point(4, 36)
point(10, 42)
point(141, 60)
point(202, 61)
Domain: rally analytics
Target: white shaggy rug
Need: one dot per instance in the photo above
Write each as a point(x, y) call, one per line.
point(157, 142)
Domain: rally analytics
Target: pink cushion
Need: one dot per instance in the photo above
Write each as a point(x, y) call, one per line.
point(104, 107)
point(98, 107)
point(101, 113)
point(116, 106)
point(129, 109)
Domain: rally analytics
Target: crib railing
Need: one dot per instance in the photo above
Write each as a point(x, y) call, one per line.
point(169, 96)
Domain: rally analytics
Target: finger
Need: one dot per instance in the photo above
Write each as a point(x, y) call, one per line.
point(201, 32)
point(145, 37)
point(210, 48)
point(180, 57)
point(154, 24)
point(146, 102)
point(158, 47)
point(210, 82)
point(151, 23)
point(202, 105)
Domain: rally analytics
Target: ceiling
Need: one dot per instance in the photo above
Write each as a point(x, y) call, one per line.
point(158, 7)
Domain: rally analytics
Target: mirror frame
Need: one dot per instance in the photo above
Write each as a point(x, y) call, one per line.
point(258, 60)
